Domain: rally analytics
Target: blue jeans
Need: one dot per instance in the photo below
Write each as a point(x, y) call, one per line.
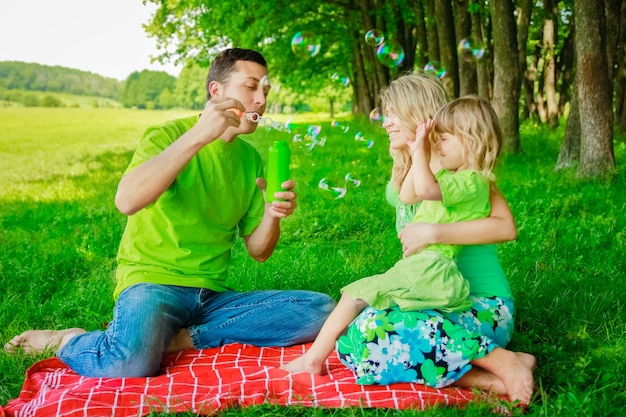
point(147, 316)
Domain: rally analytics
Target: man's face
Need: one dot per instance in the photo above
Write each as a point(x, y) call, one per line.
point(249, 84)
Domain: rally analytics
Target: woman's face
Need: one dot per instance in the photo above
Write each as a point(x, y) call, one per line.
point(398, 133)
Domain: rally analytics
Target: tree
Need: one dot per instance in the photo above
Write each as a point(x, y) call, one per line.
point(594, 90)
point(506, 84)
point(143, 89)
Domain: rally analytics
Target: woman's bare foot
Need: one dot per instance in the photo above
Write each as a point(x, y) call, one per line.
point(518, 377)
point(302, 364)
point(481, 379)
point(515, 371)
point(38, 341)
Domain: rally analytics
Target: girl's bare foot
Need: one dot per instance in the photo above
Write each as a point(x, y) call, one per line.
point(38, 341)
point(302, 364)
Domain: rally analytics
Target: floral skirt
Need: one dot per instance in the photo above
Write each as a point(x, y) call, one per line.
point(425, 347)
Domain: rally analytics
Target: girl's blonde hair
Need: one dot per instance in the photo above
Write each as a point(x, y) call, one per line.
point(475, 123)
point(413, 98)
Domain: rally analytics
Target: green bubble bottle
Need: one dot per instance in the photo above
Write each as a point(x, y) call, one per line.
point(277, 168)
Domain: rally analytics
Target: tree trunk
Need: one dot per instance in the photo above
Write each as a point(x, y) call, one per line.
point(506, 84)
point(482, 65)
point(363, 97)
point(620, 78)
point(549, 62)
point(569, 154)
point(565, 67)
point(431, 31)
point(467, 62)
point(524, 12)
point(594, 91)
point(421, 54)
point(447, 45)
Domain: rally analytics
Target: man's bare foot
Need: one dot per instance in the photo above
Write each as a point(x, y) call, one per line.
point(302, 364)
point(38, 341)
point(181, 341)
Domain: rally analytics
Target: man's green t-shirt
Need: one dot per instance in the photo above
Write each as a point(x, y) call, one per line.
point(185, 237)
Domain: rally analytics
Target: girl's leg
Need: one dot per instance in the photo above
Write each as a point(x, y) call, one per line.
point(347, 309)
point(145, 318)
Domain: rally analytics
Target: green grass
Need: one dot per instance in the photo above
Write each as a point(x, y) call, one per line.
point(60, 230)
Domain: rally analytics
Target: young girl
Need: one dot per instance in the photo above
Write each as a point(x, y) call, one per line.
point(468, 142)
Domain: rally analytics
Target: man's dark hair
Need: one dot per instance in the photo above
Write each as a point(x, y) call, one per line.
point(224, 64)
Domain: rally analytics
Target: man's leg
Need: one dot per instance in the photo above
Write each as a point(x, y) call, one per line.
point(39, 341)
point(261, 318)
point(145, 318)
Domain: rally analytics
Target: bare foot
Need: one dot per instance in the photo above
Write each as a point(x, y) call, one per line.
point(181, 341)
point(518, 378)
point(302, 364)
point(38, 341)
point(481, 379)
point(515, 371)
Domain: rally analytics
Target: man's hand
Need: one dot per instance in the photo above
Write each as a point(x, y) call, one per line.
point(218, 115)
point(280, 209)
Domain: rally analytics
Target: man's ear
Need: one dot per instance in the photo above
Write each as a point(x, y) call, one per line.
point(215, 89)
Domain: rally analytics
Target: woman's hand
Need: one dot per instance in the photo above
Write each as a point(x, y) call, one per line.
point(416, 236)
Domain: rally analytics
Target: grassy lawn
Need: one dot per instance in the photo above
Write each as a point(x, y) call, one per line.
point(59, 234)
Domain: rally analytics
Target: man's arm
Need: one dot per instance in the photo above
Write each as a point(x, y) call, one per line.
point(145, 184)
point(261, 243)
point(498, 227)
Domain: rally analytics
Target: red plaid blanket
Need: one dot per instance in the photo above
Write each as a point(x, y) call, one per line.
point(209, 380)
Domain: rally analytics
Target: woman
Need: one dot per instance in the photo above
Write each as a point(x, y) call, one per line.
point(429, 347)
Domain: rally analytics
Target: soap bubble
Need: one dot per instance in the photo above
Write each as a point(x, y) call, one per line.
point(376, 116)
point(305, 45)
point(470, 49)
point(435, 67)
point(390, 54)
point(314, 130)
point(352, 180)
point(330, 190)
point(374, 37)
point(340, 79)
point(367, 143)
point(343, 126)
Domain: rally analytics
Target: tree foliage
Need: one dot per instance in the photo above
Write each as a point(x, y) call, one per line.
point(37, 77)
point(148, 89)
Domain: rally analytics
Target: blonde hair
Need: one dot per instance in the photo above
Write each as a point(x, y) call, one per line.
point(475, 123)
point(413, 98)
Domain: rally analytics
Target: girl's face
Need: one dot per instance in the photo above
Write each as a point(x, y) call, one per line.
point(398, 134)
point(450, 149)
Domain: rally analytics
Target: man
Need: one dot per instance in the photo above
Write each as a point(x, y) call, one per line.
point(192, 186)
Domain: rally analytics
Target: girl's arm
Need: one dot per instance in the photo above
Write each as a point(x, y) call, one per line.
point(498, 227)
point(420, 183)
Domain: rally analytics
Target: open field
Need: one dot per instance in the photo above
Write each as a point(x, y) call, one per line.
point(59, 232)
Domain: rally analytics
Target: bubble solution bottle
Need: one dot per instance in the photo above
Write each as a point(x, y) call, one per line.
point(277, 168)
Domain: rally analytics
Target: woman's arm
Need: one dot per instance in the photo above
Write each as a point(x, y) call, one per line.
point(498, 227)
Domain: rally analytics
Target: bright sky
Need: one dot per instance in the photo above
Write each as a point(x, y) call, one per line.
point(105, 37)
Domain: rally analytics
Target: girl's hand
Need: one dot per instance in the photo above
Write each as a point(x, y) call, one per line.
point(421, 142)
